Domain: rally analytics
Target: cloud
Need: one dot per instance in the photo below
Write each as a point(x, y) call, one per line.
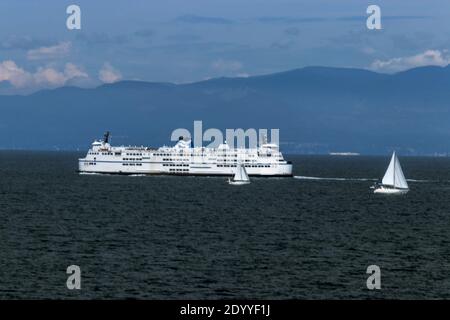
point(243, 75)
point(108, 74)
point(194, 19)
point(427, 58)
point(293, 19)
point(15, 42)
point(9, 71)
point(406, 17)
point(288, 20)
point(106, 39)
point(52, 52)
point(44, 77)
point(72, 71)
point(49, 77)
point(226, 66)
point(93, 39)
point(384, 17)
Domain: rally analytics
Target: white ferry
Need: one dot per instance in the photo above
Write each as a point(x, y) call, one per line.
point(182, 159)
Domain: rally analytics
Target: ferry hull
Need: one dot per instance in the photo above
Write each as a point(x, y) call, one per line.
point(182, 159)
point(86, 166)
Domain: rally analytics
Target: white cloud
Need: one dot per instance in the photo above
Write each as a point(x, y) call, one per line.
point(72, 71)
point(49, 77)
point(44, 77)
point(52, 52)
point(226, 66)
point(9, 71)
point(243, 75)
point(427, 58)
point(108, 74)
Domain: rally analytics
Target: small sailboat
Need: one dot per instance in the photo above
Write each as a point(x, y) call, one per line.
point(240, 176)
point(394, 181)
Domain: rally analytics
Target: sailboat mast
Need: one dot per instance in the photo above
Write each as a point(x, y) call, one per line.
point(395, 160)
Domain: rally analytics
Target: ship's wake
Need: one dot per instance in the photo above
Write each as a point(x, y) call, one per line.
point(333, 179)
point(352, 179)
point(90, 174)
point(110, 174)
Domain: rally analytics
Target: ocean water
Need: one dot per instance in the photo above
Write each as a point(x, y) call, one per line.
point(149, 237)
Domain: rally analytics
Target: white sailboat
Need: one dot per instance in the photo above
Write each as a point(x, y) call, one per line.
point(394, 181)
point(240, 176)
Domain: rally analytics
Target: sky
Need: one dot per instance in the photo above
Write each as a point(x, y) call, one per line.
point(183, 41)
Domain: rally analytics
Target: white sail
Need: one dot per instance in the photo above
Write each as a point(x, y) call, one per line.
point(399, 180)
point(241, 174)
point(394, 174)
point(389, 176)
point(244, 174)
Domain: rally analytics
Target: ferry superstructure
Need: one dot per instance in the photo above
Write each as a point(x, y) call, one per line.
point(182, 159)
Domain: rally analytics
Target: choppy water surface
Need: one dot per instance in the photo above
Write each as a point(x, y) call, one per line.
point(196, 238)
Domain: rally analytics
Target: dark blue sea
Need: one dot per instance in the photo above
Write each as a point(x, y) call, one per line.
point(151, 237)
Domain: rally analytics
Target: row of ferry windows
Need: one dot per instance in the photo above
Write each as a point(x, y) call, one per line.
point(175, 165)
point(196, 154)
point(104, 153)
point(132, 164)
point(178, 170)
point(164, 154)
point(115, 153)
point(169, 159)
point(246, 165)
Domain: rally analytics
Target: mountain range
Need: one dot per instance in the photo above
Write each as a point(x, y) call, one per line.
point(317, 109)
